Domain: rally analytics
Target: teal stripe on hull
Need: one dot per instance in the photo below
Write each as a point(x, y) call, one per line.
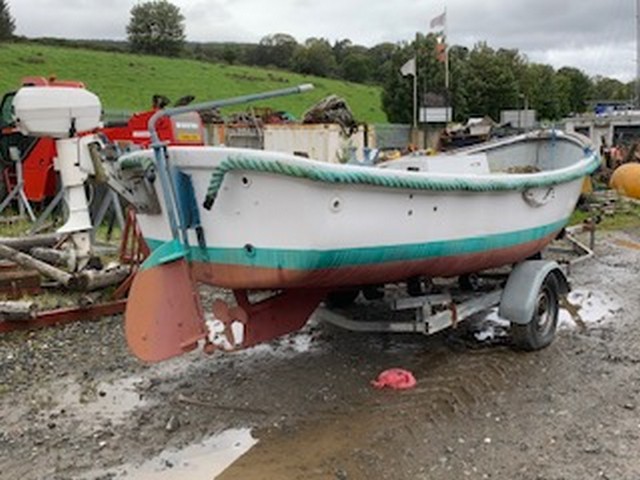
point(327, 259)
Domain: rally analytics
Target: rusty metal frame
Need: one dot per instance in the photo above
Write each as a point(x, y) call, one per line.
point(63, 316)
point(133, 248)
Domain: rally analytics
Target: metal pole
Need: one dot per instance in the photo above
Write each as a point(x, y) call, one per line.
point(415, 86)
point(520, 107)
point(47, 211)
point(415, 98)
point(170, 112)
point(446, 50)
point(23, 201)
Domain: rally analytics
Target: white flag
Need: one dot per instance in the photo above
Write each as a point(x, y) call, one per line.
point(409, 68)
point(439, 21)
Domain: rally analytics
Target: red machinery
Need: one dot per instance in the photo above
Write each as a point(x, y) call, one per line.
point(37, 154)
point(185, 129)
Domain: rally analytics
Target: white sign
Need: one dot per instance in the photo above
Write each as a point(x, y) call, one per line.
point(436, 115)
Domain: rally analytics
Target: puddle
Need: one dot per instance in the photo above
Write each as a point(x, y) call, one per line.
point(95, 404)
point(202, 461)
point(593, 307)
point(583, 309)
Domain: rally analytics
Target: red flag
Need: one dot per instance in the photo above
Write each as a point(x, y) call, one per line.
point(441, 52)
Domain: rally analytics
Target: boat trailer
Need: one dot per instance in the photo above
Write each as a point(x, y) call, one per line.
point(528, 297)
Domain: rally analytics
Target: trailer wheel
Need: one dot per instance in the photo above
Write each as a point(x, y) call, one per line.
point(541, 329)
point(342, 298)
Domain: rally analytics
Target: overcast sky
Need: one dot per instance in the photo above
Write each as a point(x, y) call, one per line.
point(597, 36)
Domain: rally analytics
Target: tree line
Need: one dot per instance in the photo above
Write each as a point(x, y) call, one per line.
point(484, 80)
point(7, 23)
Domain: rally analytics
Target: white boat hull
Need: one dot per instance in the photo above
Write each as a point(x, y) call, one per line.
point(267, 230)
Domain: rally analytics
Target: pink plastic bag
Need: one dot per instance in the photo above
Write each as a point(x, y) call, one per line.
point(396, 379)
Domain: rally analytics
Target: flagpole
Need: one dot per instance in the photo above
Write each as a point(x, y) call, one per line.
point(415, 87)
point(410, 68)
point(446, 50)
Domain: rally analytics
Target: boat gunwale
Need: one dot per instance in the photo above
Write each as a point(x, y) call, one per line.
point(397, 179)
point(246, 160)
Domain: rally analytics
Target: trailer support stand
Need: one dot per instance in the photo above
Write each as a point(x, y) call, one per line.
point(18, 191)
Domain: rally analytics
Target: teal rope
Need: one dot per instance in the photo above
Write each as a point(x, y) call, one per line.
point(345, 175)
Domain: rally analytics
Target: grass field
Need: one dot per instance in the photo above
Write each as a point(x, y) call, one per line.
point(127, 82)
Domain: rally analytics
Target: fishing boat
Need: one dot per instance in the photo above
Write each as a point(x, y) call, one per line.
point(251, 220)
point(256, 220)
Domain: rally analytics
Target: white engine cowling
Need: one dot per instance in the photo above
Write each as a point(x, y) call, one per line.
point(58, 112)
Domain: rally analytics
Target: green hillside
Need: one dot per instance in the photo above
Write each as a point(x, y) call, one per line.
point(127, 82)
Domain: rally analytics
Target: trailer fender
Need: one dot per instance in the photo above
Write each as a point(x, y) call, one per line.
point(520, 295)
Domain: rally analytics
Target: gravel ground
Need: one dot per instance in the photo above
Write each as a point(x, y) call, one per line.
point(75, 404)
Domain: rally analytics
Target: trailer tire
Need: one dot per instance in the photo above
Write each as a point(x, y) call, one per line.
point(541, 329)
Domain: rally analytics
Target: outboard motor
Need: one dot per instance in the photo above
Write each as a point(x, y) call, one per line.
point(69, 115)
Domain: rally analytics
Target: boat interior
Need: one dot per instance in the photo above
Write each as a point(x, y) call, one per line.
point(512, 156)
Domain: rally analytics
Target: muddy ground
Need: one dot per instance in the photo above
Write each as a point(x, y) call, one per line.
point(75, 404)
